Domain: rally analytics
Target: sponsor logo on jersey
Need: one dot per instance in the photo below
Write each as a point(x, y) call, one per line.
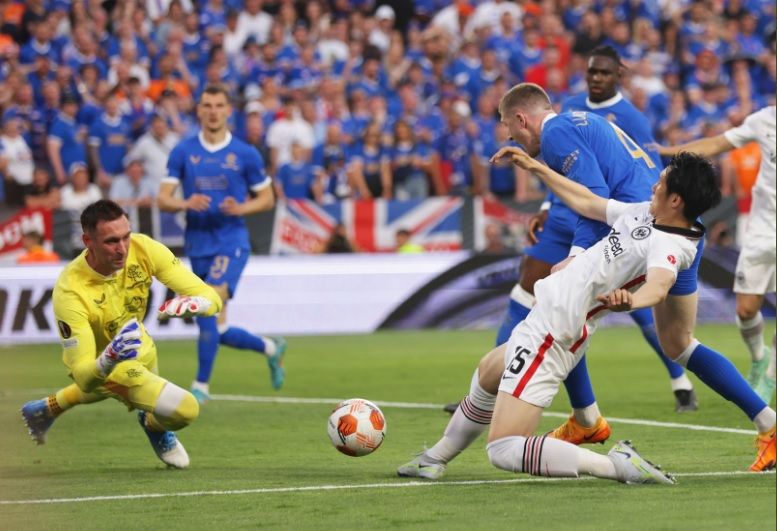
point(615, 248)
point(671, 259)
point(569, 161)
point(640, 233)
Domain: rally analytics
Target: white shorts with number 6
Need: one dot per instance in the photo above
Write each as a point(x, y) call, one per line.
point(535, 363)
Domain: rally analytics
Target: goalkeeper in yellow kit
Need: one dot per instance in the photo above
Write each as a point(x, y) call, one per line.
point(100, 299)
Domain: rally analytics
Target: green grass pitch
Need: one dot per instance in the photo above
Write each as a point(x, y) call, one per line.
point(270, 464)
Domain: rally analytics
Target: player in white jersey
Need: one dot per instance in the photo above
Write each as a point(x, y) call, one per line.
point(633, 267)
point(755, 272)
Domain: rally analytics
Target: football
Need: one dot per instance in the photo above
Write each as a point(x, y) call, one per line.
point(356, 427)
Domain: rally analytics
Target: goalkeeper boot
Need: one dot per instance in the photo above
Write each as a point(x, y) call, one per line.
point(574, 432)
point(417, 469)
point(767, 454)
point(275, 363)
point(632, 468)
point(765, 389)
point(758, 369)
point(38, 419)
point(166, 445)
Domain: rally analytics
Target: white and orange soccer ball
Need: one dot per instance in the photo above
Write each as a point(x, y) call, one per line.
point(356, 427)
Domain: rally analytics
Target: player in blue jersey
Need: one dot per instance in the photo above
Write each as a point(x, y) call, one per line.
point(223, 180)
point(603, 76)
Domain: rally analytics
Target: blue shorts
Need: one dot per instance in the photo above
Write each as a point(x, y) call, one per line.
point(686, 282)
point(555, 240)
point(221, 269)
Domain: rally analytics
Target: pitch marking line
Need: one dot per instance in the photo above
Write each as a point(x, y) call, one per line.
point(421, 405)
point(317, 488)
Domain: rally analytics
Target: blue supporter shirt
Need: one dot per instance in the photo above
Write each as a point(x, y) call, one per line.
point(66, 130)
point(296, 179)
point(230, 169)
point(599, 155)
point(113, 136)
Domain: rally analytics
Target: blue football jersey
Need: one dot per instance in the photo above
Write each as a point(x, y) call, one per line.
point(622, 113)
point(231, 169)
point(113, 136)
point(599, 155)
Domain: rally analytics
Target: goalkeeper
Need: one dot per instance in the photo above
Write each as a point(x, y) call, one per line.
point(100, 299)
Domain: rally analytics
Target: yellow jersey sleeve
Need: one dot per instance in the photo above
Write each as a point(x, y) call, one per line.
point(78, 342)
point(169, 270)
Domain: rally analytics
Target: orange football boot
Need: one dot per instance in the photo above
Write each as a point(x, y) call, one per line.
point(767, 454)
point(574, 432)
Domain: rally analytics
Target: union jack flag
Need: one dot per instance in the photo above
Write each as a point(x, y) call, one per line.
point(303, 226)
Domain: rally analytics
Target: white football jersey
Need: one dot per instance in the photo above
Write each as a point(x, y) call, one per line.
point(567, 299)
point(760, 126)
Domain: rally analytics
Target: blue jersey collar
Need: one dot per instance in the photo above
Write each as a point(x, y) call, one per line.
point(606, 103)
point(549, 116)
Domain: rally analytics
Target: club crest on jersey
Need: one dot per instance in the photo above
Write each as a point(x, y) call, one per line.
point(195, 159)
point(230, 162)
point(672, 260)
point(640, 233)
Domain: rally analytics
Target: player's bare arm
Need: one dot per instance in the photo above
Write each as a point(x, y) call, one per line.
point(167, 202)
point(576, 196)
point(706, 147)
point(264, 200)
point(655, 289)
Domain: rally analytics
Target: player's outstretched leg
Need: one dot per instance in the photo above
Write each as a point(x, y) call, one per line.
point(174, 409)
point(272, 347)
point(470, 419)
point(545, 456)
point(685, 396)
point(40, 414)
point(752, 331)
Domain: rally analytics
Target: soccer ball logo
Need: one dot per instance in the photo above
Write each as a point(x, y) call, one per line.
point(356, 427)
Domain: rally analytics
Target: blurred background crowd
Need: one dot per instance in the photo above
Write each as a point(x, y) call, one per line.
point(351, 98)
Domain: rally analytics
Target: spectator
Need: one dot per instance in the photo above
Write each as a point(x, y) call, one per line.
point(284, 131)
point(65, 145)
point(34, 252)
point(42, 193)
point(133, 188)
point(338, 241)
point(411, 164)
point(79, 192)
point(404, 245)
point(369, 168)
point(494, 241)
point(109, 139)
point(16, 163)
point(296, 178)
point(152, 150)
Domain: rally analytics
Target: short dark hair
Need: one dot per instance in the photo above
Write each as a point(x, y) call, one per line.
point(693, 178)
point(608, 52)
point(217, 88)
point(102, 210)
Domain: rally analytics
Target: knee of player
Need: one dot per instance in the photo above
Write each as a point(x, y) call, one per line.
point(188, 410)
point(176, 407)
point(502, 454)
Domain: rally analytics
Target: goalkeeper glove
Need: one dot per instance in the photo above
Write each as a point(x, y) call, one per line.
point(183, 306)
point(123, 347)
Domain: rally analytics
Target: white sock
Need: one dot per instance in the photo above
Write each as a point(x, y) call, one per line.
point(200, 386)
point(471, 418)
point(544, 456)
point(588, 415)
point(269, 346)
point(765, 420)
point(681, 383)
point(752, 332)
point(770, 370)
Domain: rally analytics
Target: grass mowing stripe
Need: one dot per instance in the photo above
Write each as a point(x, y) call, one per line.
point(314, 488)
point(421, 405)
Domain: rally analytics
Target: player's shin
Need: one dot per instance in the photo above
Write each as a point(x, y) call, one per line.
point(207, 347)
point(581, 395)
point(472, 418)
point(544, 456)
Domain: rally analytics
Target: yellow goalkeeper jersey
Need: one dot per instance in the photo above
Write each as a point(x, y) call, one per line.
point(90, 308)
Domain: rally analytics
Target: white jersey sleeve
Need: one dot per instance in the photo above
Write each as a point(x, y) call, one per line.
point(616, 209)
point(749, 130)
point(668, 252)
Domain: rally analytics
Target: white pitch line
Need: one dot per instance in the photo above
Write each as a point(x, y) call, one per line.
point(422, 405)
point(317, 488)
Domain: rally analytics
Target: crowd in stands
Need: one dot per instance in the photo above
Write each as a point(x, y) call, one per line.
point(340, 100)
